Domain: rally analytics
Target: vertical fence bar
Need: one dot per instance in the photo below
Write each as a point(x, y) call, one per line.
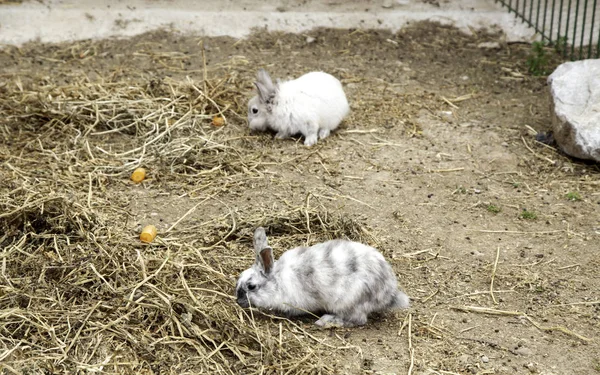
point(567, 29)
point(598, 46)
point(552, 20)
point(537, 16)
point(524, 6)
point(592, 31)
point(574, 30)
point(530, 21)
point(517, 9)
point(559, 21)
point(582, 29)
point(544, 21)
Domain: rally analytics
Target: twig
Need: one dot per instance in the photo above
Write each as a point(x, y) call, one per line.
point(519, 232)
point(450, 103)
point(484, 310)
point(188, 213)
point(411, 350)
point(102, 277)
point(494, 275)
point(558, 328)
point(577, 303)
point(74, 339)
point(536, 155)
point(356, 200)
point(89, 198)
point(446, 170)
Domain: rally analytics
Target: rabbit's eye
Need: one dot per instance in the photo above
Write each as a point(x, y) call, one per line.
point(251, 286)
point(254, 110)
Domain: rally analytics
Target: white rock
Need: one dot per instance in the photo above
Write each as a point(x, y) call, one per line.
point(310, 39)
point(575, 90)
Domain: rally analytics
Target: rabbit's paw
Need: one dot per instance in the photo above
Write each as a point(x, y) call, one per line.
point(310, 140)
point(329, 320)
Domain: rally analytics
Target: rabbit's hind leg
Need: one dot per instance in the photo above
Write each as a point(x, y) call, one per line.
point(330, 320)
point(311, 133)
point(323, 133)
point(310, 140)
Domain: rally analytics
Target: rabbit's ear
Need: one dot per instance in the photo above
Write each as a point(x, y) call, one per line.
point(264, 85)
point(260, 240)
point(264, 78)
point(266, 259)
point(264, 253)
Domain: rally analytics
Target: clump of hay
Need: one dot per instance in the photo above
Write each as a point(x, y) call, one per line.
point(80, 292)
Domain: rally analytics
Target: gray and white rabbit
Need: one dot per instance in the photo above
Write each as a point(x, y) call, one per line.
point(312, 105)
point(345, 280)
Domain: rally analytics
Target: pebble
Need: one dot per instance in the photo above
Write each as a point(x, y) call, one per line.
point(387, 4)
point(524, 351)
point(504, 144)
point(484, 359)
point(310, 39)
point(489, 45)
point(531, 367)
point(477, 191)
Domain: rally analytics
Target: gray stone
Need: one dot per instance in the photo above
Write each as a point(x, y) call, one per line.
point(485, 359)
point(575, 90)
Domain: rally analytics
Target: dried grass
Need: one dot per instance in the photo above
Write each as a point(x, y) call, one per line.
point(80, 293)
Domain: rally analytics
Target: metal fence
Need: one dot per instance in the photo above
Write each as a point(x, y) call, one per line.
point(572, 26)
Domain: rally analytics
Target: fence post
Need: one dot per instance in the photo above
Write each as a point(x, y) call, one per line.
point(574, 30)
point(590, 48)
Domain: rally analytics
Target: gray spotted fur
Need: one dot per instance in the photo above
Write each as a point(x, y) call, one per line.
point(346, 280)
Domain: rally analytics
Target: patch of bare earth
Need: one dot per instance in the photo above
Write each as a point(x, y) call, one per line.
point(436, 166)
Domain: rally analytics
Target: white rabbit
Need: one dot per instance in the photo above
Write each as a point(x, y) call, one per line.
point(313, 105)
point(345, 280)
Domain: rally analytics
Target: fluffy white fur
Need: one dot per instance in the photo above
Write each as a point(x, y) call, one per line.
point(345, 280)
point(312, 105)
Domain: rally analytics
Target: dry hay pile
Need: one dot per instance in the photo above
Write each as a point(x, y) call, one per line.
point(79, 292)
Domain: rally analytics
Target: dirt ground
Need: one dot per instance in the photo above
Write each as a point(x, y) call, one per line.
point(437, 166)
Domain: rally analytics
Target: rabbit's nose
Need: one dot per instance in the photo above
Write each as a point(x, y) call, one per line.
point(242, 298)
